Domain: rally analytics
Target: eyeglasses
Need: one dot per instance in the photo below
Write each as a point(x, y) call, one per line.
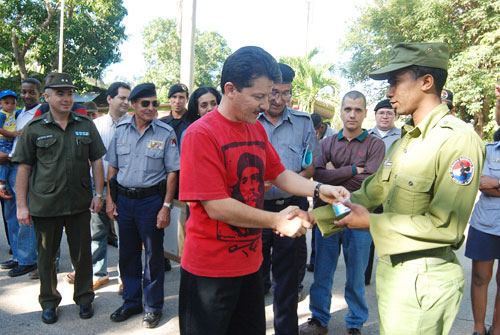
point(285, 96)
point(146, 103)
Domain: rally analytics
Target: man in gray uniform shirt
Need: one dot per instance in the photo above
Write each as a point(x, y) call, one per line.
point(143, 155)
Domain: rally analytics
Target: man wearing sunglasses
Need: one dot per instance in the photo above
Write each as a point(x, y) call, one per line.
point(143, 162)
point(292, 134)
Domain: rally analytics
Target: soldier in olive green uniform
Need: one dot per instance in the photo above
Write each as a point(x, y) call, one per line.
point(54, 151)
point(427, 185)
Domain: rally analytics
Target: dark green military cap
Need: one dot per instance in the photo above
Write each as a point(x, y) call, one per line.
point(58, 79)
point(434, 55)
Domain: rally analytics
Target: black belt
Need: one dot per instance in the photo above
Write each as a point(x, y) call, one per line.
point(137, 192)
point(279, 202)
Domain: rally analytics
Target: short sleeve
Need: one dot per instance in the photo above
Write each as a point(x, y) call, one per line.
point(274, 167)
point(3, 117)
point(171, 158)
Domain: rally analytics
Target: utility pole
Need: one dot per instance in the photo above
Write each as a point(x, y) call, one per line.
point(188, 31)
point(61, 38)
point(308, 24)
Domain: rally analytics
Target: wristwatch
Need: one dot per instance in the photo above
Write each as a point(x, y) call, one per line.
point(316, 191)
point(168, 205)
point(100, 195)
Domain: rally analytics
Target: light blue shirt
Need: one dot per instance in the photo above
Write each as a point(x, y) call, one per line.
point(486, 214)
point(293, 133)
point(389, 138)
point(143, 160)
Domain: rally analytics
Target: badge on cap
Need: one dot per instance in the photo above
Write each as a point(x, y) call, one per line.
point(444, 94)
point(462, 171)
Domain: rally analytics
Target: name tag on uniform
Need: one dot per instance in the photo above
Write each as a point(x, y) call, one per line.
point(44, 137)
point(82, 133)
point(153, 144)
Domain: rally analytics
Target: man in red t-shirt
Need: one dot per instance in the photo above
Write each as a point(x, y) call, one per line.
point(225, 159)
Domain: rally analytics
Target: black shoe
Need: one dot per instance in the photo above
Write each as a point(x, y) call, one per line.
point(9, 264)
point(168, 266)
point(354, 331)
point(310, 267)
point(49, 315)
point(21, 270)
point(113, 242)
point(122, 314)
point(86, 311)
point(151, 319)
point(10, 251)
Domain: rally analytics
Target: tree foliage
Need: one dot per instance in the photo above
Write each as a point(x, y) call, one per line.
point(470, 27)
point(29, 37)
point(312, 82)
point(162, 53)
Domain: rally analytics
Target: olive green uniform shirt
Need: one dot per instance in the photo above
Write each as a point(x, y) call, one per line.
point(59, 182)
point(427, 184)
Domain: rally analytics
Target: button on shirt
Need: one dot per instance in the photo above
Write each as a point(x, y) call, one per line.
point(486, 214)
point(293, 133)
point(143, 160)
point(106, 127)
point(59, 182)
point(389, 138)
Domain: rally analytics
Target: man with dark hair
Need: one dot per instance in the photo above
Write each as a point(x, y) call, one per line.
point(221, 289)
point(323, 130)
point(346, 159)
point(178, 95)
point(427, 185)
point(292, 135)
point(53, 152)
point(143, 156)
point(23, 237)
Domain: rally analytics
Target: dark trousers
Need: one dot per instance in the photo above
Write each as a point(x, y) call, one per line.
point(232, 305)
point(137, 225)
point(286, 258)
point(48, 239)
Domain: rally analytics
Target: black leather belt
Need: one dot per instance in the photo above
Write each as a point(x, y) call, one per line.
point(137, 192)
point(279, 202)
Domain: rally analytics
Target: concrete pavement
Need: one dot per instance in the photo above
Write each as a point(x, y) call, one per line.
point(20, 311)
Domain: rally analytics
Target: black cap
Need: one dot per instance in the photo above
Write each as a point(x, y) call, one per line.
point(383, 104)
point(287, 73)
point(316, 119)
point(145, 90)
point(178, 88)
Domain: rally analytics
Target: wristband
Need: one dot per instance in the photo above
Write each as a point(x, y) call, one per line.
point(168, 205)
point(100, 195)
point(316, 191)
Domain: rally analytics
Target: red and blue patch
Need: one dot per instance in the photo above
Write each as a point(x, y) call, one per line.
point(462, 171)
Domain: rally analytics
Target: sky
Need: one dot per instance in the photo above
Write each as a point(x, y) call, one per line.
point(278, 26)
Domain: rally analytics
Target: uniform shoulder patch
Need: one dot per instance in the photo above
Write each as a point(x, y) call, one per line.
point(462, 171)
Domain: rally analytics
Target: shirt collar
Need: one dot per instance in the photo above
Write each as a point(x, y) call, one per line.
point(360, 138)
point(151, 125)
point(285, 116)
point(427, 124)
point(49, 119)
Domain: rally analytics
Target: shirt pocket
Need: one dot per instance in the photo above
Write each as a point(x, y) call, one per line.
point(123, 154)
point(154, 160)
point(293, 158)
point(412, 194)
point(82, 147)
point(46, 150)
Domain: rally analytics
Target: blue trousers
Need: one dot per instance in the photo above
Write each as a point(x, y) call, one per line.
point(356, 248)
point(137, 225)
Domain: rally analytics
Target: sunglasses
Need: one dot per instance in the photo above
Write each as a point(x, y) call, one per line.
point(146, 103)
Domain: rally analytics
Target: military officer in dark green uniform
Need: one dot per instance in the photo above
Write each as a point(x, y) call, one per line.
point(427, 184)
point(53, 152)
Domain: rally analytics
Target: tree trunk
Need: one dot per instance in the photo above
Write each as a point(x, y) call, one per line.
point(482, 118)
point(19, 56)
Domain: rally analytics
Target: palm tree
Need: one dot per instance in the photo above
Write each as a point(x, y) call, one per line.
point(312, 82)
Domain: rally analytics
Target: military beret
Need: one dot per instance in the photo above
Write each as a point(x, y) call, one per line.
point(90, 107)
point(287, 73)
point(316, 119)
point(178, 88)
point(383, 104)
point(8, 93)
point(403, 55)
point(145, 90)
point(58, 79)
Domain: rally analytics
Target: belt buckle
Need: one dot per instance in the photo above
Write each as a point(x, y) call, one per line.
point(280, 202)
point(131, 193)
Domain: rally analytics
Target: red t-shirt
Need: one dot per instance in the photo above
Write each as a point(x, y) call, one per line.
point(221, 159)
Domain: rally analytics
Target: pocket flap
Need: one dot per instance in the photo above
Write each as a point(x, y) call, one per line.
point(414, 183)
point(45, 142)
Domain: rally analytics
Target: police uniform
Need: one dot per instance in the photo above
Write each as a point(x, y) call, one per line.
point(143, 162)
point(427, 185)
point(60, 194)
point(292, 136)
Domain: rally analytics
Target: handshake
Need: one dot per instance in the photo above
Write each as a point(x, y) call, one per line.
point(293, 222)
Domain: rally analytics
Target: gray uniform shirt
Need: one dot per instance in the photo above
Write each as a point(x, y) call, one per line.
point(143, 160)
point(392, 136)
point(293, 133)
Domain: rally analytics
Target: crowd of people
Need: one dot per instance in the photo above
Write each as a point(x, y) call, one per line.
point(240, 164)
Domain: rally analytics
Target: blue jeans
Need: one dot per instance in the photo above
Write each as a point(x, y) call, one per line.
point(99, 228)
point(356, 249)
point(22, 238)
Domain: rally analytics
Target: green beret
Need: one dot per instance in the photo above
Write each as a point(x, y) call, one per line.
point(58, 79)
point(403, 55)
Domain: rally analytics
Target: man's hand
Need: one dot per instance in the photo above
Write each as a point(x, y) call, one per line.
point(359, 218)
point(488, 183)
point(163, 218)
point(96, 204)
point(294, 227)
point(23, 216)
point(308, 216)
point(332, 194)
point(111, 208)
point(330, 166)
